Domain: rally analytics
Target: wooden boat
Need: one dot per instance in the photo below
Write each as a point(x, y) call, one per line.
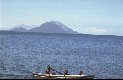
point(51, 76)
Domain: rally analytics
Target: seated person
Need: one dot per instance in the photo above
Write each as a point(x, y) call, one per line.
point(81, 72)
point(66, 72)
point(48, 70)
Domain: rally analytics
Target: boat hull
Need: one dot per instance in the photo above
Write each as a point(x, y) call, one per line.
point(47, 76)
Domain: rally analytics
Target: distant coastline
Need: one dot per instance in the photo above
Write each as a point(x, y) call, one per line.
point(39, 33)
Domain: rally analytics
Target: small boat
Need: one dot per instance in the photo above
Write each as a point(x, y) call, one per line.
point(51, 76)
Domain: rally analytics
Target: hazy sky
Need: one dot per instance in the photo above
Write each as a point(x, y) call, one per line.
point(85, 16)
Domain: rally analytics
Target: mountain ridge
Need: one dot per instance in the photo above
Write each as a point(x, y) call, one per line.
point(47, 27)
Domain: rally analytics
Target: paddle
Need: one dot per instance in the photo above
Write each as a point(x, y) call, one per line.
point(57, 71)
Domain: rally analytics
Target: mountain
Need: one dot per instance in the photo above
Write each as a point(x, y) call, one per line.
point(23, 28)
point(47, 27)
point(19, 29)
point(53, 27)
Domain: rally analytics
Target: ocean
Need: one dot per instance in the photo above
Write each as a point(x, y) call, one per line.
point(24, 53)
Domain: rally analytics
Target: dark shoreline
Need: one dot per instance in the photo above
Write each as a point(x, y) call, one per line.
point(40, 33)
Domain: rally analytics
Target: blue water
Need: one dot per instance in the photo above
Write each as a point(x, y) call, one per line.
point(22, 54)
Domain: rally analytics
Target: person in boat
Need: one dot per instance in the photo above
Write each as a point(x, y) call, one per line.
point(81, 72)
point(53, 72)
point(66, 72)
point(48, 70)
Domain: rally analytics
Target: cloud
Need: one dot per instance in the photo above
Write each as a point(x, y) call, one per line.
point(97, 30)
